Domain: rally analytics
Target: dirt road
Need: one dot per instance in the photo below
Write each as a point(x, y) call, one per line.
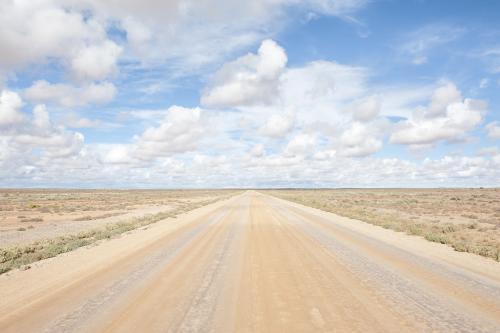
point(255, 263)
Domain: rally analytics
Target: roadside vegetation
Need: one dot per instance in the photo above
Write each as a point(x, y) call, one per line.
point(22, 256)
point(466, 219)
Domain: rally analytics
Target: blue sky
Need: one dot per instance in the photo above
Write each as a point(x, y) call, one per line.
point(287, 93)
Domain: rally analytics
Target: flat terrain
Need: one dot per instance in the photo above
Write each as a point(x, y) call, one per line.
point(256, 263)
point(466, 219)
point(31, 215)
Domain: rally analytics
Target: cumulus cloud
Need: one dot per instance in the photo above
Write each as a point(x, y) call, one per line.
point(334, 101)
point(322, 97)
point(278, 125)
point(65, 35)
point(180, 131)
point(282, 100)
point(442, 97)
point(10, 104)
point(68, 95)
point(54, 140)
point(454, 167)
point(321, 90)
point(249, 80)
point(301, 144)
point(320, 114)
point(34, 32)
point(96, 62)
point(440, 122)
point(401, 101)
point(493, 130)
point(190, 34)
point(266, 170)
point(184, 35)
point(333, 170)
point(27, 134)
point(258, 150)
point(76, 36)
point(118, 154)
point(366, 108)
point(138, 34)
point(358, 141)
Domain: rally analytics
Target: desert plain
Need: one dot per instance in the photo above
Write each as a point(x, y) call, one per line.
point(346, 260)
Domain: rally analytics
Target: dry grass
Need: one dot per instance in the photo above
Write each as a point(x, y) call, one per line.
point(33, 219)
point(47, 207)
point(96, 217)
point(70, 201)
point(466, 219)
point(19, 256)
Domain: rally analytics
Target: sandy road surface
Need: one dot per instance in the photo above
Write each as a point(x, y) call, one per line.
point(254, 263)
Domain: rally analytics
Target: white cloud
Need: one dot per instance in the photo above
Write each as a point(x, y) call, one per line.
point(338, 7)
point(366, 108)
point(118, 154)
point(333, 170)
point(183, 35)
point(138, 34)
point(489, 151)
point(493, 129)
point(178, 132)
point(324, 155)
point(73, 120)
point(321, 97)
point(400, 101)
point(331, 112)
point(257, 150)
point(143, 114)
point(314, 97)
point(278, 125)
point(424, 132)
point(321, 90)
point(70, 96)
point(332, 101)
point(442, 97)
point(25, 135)
point(301, 144)
point(249, 80)
point(55, 141)
point(440, 121)
point(96, 62)
point(450, 167)
point(491, 57)
point(189, 34)
point(36, 31)
point(484, 83)
point(420, 42)
point(152, 88)
point(358, 141)
point(10, 103)
point(335, 117)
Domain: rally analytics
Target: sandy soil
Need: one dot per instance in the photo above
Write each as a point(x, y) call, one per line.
point(466, 219)
point(51, 229)
point(439, 206)
point(32, 215)
point(254, 263)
